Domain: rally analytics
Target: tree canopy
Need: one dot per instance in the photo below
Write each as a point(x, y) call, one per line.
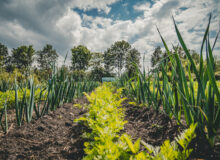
point(80, 57)
point(46, 57)
point(156, 56)
point(3, 55)
point(96, 63)
point(132, 61)
point(22, 57)
point(121, 55)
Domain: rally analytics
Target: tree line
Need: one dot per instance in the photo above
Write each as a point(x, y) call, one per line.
point(119, 58)
point(23, 57)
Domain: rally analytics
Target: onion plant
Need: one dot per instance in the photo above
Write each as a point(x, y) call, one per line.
point(178, 92)
point(26, 105)
point(4, 113)
point(60, 88)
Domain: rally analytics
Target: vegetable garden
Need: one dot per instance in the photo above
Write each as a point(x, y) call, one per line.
point(152, 115)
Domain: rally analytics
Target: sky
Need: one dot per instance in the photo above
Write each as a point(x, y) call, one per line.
point(97, 24)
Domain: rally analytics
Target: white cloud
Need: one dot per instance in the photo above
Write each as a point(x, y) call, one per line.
point(142, 7)
point(102, 5)
point(55, 22)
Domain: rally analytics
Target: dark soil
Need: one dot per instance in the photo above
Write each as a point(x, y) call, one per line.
point(154, 128)
point(56, 136)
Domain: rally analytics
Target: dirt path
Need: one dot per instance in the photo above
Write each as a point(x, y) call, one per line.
point(53, 136)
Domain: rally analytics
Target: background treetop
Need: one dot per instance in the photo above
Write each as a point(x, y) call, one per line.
point(80, 57)
point(46, 57)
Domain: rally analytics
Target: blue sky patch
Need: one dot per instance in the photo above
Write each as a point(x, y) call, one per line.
point(121, 10)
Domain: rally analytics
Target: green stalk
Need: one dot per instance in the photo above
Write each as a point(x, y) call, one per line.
point(30, 105)
point(4, 111)
point(17, 106)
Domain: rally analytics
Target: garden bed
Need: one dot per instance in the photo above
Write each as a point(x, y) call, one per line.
point(56, 136)
point(154, 128)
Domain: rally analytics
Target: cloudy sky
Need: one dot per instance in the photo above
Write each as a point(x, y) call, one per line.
point(99, 23)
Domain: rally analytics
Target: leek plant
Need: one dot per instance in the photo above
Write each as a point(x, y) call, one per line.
point(179, 93)
point(203, 109)
point(61, 88)
point(26, 105)
point(27, 98)
point(4, 85)
point(4, 112)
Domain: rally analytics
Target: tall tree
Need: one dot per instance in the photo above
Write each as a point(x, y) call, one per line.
point(96, 59)
point(108, 59)
point(132, 61)
point(156, 56)
point(46, 57)
point(118, 51)
point(22, 57)
point(3, 55)
point(80, 57)
point(179, 51)
point(195, 57)
point(96, 63)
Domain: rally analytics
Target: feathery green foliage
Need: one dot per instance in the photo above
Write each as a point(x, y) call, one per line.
point(105, 118)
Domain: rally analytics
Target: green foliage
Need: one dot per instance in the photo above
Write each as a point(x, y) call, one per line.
point(96, 60)
point(3, 55)
point(97, 71)
point(2, 113)
point(105, 118)
point(47, 57)
point(80, 57)
point(96, 74)
point(132, 62)
point(29, 97)
point(7, 79)
point(167, 151)
point(119, 51)
point(10, 96)
point(22, 57)
point(108, 61)
point(183, 87)
point(184, 140)
point(120, 55)
point(79, 75)
point(156, 56)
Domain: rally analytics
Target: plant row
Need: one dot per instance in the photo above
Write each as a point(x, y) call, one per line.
point(59, 89)
point(8, 97)
point(177, 95)
point(105, 118)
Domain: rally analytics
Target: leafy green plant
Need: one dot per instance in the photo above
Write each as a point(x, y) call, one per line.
point(168, 150)
point(105, 119)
